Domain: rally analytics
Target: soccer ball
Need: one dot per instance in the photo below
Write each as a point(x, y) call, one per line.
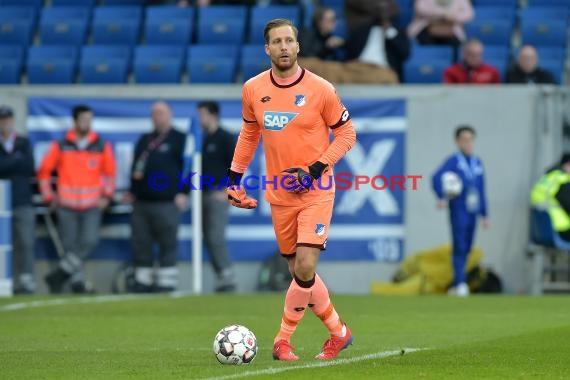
point(451, 184)
point(235, 345)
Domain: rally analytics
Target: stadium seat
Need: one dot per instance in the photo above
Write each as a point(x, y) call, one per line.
point(432, 53)
point(545, 14)
point(422, 72)
point(332, 3)
point(406, 14)
point(168, 25)
point(158, 64)
point(261, 15)
point(64, 25)
point(496, 52)
point(222, 25)
point(490, 31)
point(544, 33)
point(11, 63)
point(552, 52)
point(499, 3)
point(17, 25)
point(253, 61)
point(116, 25)
point(32, 3)
point(496, 13)
point(212, 63)
point(548, 3)
point(107, 3)
point(51, 64)
point(104, 64)
point(76, 3)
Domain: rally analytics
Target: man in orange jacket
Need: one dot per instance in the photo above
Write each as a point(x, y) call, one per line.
point(85, 169)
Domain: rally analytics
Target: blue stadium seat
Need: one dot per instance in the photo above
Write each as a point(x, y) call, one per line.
point(222, 25)
point(107, 3)
point(51, 64)
point(490, 31)
point(501, 3)
point(75, 3)
point(158, 64)
point(432, 53)
point(545, 14)
point(169, 25)
point(212, 63)
point(32, 3)
point(548, 3)
point(261, 15)
point(422, 72)
point(104, 64)
point(11, 64)
point(551, 52)
point(17, 24)
point(253, 61)
point(332, 3)
point(498, 52)
point(64, 25)
point(496, 13)
point(554, 66)
point(406, 14)
point(116, 25)
point(544, 33)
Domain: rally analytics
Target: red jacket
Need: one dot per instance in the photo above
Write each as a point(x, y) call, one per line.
point(459, 74)
point(83, 176)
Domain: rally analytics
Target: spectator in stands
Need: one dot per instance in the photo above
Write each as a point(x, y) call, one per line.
point(17, 166)
point(85, 169)
point(158, 201)
point(217, 152)
point(552, 193)
point(472, 70)
point(378, 42)
point(526, 69)
point(440, 21)
point(318, 41)
point(364, 12)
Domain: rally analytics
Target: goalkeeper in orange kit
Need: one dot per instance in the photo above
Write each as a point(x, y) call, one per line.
point(295, 110)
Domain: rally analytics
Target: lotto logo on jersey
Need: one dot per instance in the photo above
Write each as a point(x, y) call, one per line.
point(276, 121)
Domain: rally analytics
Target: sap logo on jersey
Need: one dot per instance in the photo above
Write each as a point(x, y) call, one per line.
point(276, 121)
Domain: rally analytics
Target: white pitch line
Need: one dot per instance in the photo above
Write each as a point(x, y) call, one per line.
point(356, 359)
point(82, 300)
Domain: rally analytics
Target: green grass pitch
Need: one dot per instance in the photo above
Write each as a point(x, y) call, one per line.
point(162, 337)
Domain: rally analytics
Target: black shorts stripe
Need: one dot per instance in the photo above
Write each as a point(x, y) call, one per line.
point(319, 246)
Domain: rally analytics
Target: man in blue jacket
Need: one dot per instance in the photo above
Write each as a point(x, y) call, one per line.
point(17, 166)
point(465, 207)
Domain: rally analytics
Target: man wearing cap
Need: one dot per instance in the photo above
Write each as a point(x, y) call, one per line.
point(17, 166)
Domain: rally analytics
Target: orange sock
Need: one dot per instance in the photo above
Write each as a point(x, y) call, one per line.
point(296, 302)
point(324, 309)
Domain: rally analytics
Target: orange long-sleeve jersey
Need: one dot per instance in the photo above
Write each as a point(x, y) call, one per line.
point(294, 121)
point(83, 175)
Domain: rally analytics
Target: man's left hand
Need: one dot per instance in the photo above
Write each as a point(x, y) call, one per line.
point(301, 179)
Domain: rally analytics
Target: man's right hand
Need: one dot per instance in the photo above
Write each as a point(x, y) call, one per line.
point(236, 194)
point(441, 204)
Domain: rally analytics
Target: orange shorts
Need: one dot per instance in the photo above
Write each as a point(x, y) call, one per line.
point(306, 225)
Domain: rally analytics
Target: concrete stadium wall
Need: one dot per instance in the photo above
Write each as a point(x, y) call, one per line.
point(519, 134)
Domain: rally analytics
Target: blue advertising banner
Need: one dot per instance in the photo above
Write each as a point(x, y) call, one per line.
point(368, 219)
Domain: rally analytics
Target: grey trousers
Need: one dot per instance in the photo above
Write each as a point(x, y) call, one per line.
point(79, 234)
point(154, 222)
point(215, 212)
point(23, 240)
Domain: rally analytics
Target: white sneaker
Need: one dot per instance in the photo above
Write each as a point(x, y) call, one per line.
point(462, 290)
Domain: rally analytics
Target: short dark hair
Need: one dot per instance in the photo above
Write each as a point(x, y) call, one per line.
point(464, 128)
point(79, 109)
point(276, 23)
point(210, 105)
